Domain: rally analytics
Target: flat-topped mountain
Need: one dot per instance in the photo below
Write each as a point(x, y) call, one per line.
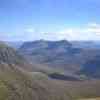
point(45, 45)
point(53, 53)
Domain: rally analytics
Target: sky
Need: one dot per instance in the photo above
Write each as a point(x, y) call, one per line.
point(24, 20)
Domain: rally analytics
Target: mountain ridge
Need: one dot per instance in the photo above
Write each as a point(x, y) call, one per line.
point(61, 55)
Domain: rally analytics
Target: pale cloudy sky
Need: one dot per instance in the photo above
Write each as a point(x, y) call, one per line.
point(49, 19)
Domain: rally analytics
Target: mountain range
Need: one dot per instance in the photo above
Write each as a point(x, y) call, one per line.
point(63, 56)
point(27, 74)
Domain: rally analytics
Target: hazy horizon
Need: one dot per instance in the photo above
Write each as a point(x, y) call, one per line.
point(49, 40)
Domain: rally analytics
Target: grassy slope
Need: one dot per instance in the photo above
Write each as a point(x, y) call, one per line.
point(90, 99)
point(3, 91)
point(17, 85)
point(82, 89)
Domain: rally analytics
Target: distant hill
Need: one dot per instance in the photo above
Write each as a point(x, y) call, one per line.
point(86, 44)
point(91, 68)
point(45, 47)
point(61, 55)
point(54, 54)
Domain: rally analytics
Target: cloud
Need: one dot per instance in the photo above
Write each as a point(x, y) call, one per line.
point(29, 30)
point(94, 25)
point(94, 28)
point(90, 31)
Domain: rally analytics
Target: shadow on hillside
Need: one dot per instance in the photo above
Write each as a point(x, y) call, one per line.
point(63, 77)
